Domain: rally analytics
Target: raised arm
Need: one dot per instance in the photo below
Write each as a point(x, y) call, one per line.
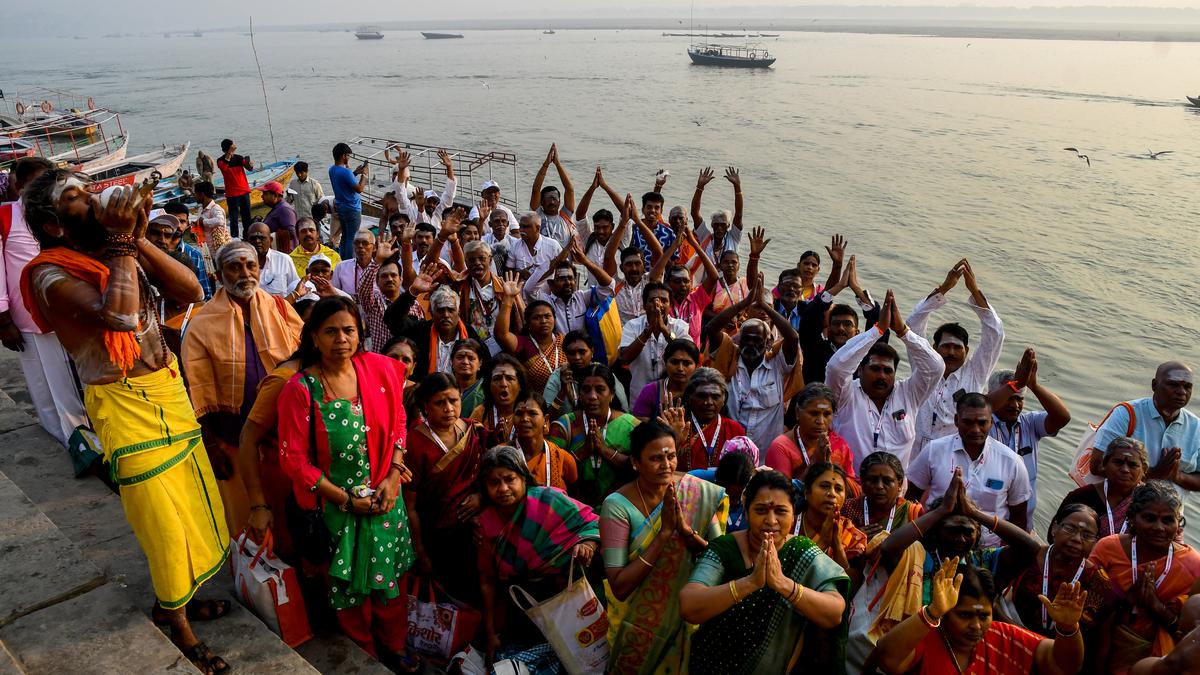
point(660, 265)
point(585, 202)
point(565, 178)
point(758, 244)
point(733, 176)
point(613, 247)
point(535, 193)
point(711, 274)
point(896, 651)
point(1057, 415)
point(837, 253)
point(926, 364)
point(512, 289)
point(706, 176)
point(717, 324)
point(791, 339)
point(602, 278)
point(991, 339)
point(918, 320)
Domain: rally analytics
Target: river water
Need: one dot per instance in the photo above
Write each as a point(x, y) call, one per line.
point(919, 150)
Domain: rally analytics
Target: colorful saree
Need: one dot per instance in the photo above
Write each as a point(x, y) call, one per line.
point(646, 634)
point(762, 633)
point(597, 477)
point(1127, 637)
point(539, 363)
point(537, 541)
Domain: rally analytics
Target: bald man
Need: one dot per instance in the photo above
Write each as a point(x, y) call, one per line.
point(1171, 433)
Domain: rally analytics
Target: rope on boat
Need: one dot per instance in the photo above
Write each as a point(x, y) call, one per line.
point(261, 81)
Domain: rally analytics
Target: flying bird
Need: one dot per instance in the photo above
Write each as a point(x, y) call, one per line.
point(1154, 155)
point(1080, 155)
point(283, 87)
point(697, 123)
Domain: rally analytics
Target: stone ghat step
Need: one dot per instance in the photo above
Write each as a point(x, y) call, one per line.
point(75, 588)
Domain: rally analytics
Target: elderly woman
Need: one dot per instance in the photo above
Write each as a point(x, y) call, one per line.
point(597, 436)
point(757, 592)
point(443, 501)
point(650, 530)
point(955, 632)
point(540, 350)
point(680, 358)
point(706, 429)
point(530, 535)
point(1151, 576)
point(810, 438)
point(341, 439)
point(230, 345)
point(1124, 467)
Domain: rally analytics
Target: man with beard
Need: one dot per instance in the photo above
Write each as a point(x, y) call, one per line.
point(555, 211)
point(1162, 422)
point(310, 245)
point(715, 237)
point(762, 375)
point(997, 481)
point(277, 274)
point(570, 304)
point(875, 413)
point(230, 345)
point(379, 288)
point(823, 330)
point(49, 374)
point(966, 371)
point(644, 338)
point(91, 286)
point(481, 293)
point(436, 336)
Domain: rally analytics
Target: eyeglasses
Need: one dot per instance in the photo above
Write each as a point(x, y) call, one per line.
point(1071, 531)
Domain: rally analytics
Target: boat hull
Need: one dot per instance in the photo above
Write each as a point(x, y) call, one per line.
point(441, 36)
point(729, 62)
point(368, 37)
point(141, 169)
point(1195, 101)
point(99, 160)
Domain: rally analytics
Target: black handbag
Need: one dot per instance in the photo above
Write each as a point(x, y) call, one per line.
point(310, 535)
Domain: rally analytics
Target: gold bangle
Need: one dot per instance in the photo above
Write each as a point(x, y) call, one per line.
point(734, 593)
point(645, 562)
point(799, 593)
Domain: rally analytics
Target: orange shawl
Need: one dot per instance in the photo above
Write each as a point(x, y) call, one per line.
point(214, 357)
point(122, 346)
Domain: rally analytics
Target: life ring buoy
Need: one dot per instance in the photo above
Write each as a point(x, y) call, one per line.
point(46, 107)
point(91, 103)
point(20, 108)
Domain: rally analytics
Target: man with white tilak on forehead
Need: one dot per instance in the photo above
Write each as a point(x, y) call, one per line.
point(965, 372)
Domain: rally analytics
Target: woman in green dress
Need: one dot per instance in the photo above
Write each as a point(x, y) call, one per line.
point(341, 439)
point(766, 600)
point(597, 435)
point(468, 358)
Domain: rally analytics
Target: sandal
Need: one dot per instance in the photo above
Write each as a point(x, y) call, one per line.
point(401, 663)
point(197, 610)
point(205, 660)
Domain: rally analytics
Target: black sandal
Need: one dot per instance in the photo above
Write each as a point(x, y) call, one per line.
point(197, 610)
point(205, 660)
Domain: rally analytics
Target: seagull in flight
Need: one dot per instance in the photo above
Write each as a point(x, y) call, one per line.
point(1154, 155)
point(1080, 155)
point(283, 87)
point(697, 123)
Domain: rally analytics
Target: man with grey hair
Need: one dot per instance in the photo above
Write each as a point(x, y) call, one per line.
point(715, 236)
point(230, 345)
point(532, 257)
point(481, 292)
point(436, 336)
point(276, 273)
point(1021, 429)
point(347, 274)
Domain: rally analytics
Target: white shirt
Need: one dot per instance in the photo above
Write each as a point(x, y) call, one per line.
point(648, 364)
point(756, 398)
point(212, 216)
point(312, 292)
point(278, 276)
point(443, 355)
point(569, 313)
point(865, 427)
point(1023, 439)
point(595, 252)
point(512, 218)
point(704, 235)
point(629, 300)
point(936, 417)
point(520, 256)
point(347, 274)
point(415, 215)
point(995, 481)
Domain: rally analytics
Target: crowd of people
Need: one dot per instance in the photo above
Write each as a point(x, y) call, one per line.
point(485, 397)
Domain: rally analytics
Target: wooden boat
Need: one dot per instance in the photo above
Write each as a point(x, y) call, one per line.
point(163, 162)
point(282, 172)
point(368, 33)
point(12, 149)
point(1194, 100)
point(113, 153)
point(441, 36)
point(730, 56)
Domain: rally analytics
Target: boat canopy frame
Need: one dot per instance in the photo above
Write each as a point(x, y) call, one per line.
point(750, 52)
point(65, 146)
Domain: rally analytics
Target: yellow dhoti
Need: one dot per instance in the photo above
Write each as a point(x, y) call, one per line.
point(152, 444)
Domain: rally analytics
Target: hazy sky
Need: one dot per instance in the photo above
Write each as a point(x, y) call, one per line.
point(134, 16)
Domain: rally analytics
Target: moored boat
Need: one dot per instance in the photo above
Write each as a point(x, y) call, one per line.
point(730, 56)
point(162, 162)
point(441, 36)
point(1194, 100)
point(282, 172)
point(368, 33)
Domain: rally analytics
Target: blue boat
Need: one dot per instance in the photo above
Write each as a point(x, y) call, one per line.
point(168, 190)
point(730, 56)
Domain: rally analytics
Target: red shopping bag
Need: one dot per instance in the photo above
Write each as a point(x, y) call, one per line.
point(270, 588)
point(438, 625)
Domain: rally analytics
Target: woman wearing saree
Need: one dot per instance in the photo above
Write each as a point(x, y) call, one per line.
point(549, 465)
point(1124, 467)
point(680, 358)
point(540, 349)
point(704, 430)
point(810, 437)
point(443, 500)
point(529, 535)
point(349, 402)
point(597, 436)
point(404, 350)
point(879, 603)
point(562, 389)
point(650, 529)
point(467, 358)
point(821, 518)
point(762, 595)
point(1151, 577)
point(505, 381)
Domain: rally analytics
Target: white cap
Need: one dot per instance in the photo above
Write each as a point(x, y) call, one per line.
point(489, 184)
point(319, 257)
point(431, 193)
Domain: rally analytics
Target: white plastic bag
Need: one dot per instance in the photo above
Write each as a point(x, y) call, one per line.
point(573, 622)
point(270, 588)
